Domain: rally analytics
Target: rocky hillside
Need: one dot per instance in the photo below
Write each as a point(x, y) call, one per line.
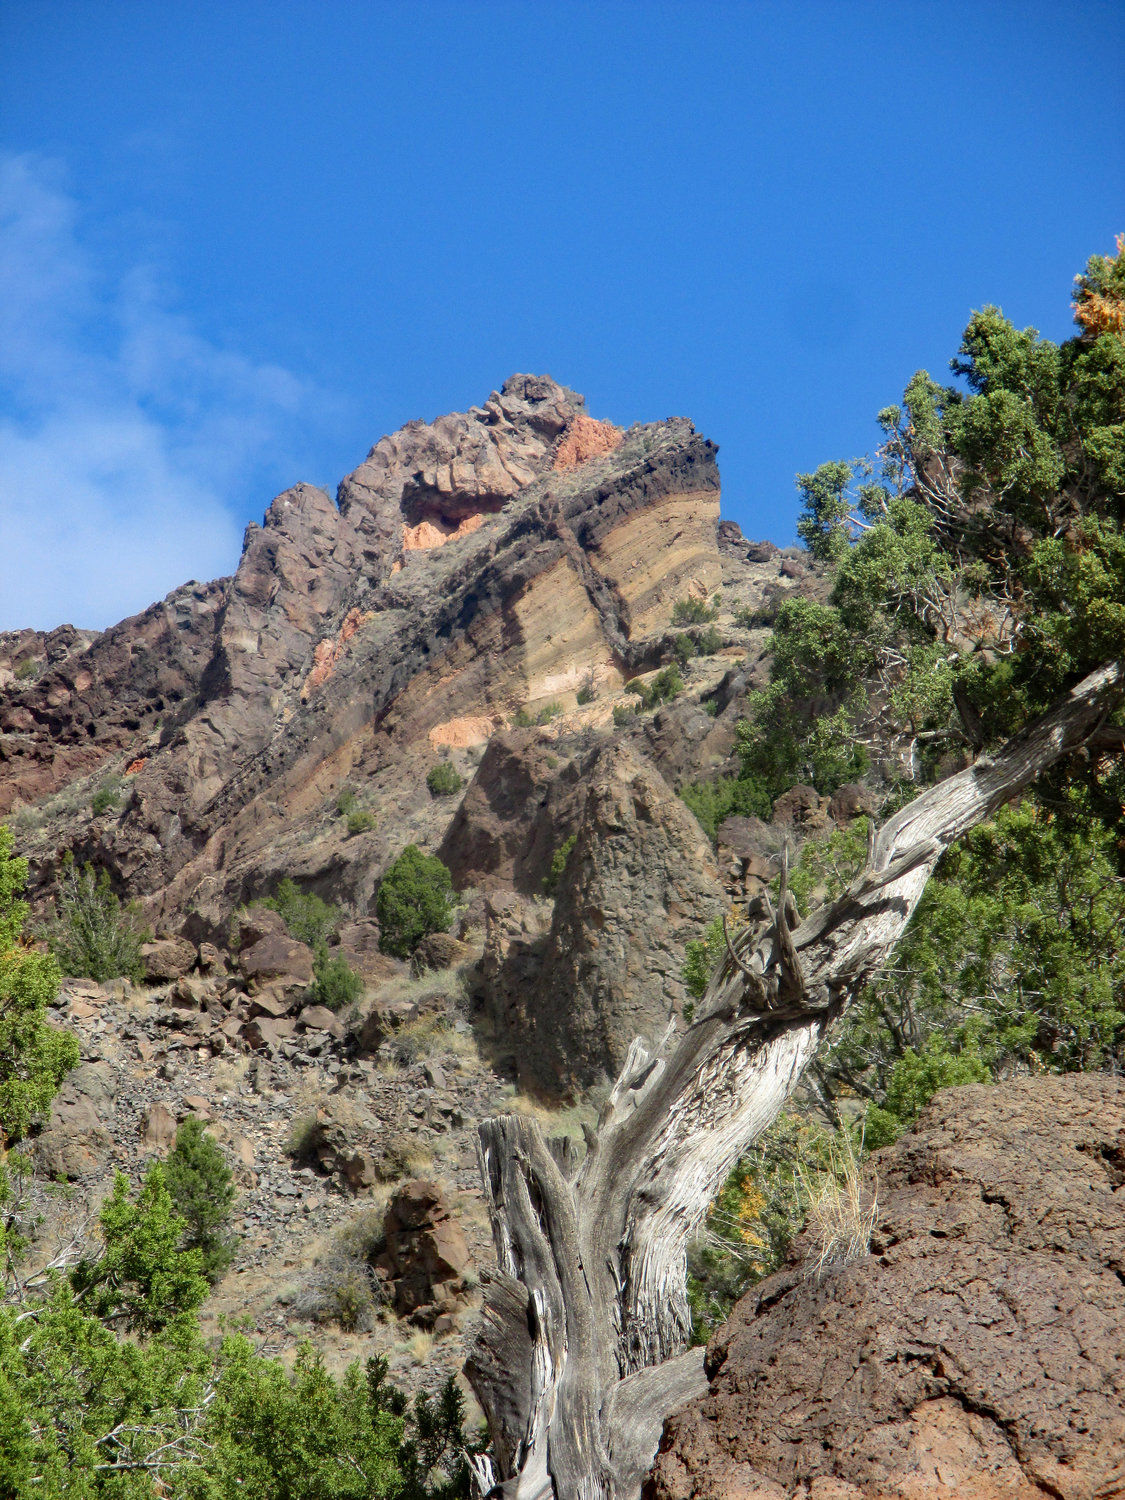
point(515, 564)
point(489, 562)
point(976, 1348)
point(479, 594)
point(495, 593)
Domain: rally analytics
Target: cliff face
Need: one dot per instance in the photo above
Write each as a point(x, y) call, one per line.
point(487, 562)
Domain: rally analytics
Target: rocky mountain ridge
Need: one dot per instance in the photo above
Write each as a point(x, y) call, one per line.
point(473, 567)
point(513, 565)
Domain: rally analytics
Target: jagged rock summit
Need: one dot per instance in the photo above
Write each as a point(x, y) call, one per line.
point(489, 562)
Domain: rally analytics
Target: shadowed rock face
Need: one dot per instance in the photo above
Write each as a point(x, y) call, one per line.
point(639, 881)
point(977, 1352)
point(484, 562)
point(519, 808)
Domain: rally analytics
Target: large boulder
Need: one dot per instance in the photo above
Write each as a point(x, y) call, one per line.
point(278, 962)
point(976, 1351)
point(79, 1132)
point(640, 881)
point(359, 947)
point(425, 1256)
point(168, 958)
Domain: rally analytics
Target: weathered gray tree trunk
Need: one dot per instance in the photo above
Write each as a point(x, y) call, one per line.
point(582, 1347)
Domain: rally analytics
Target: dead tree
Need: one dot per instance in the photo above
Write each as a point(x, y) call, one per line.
point(583, 1343)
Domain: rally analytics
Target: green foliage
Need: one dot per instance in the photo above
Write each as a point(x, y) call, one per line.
point(983, 573)
point(781, 743)
point(314, 921)
point(913, 1082)
point(413, 900)
point(109, 1392)
point(802, 727)
point(360, 822)
point(587, 692)
point(27, 669)
point(434, 1455)
point(623, 715)
point(755, 1217)
point(558, 865)
point(693, 612)
point(698, 643)
point(701, 955)
point(1099, 296)
point(107, 795)
point(84, 1413)
point(201, 1187)
point(94, 935)
point(727, 796)
point(307, 917)
point(34, 1056)
point(977, 572)
point(443, 779)
point(1013, 961)
point(748, 618)
point(335, 983)
point(346, 801)
point(827, 866)
point(824, 522)
point(303, 1434)
point(143, 1280)
point(661, 688)
point(525, 719)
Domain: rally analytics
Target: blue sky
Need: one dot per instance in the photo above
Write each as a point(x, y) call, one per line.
point(240, 241)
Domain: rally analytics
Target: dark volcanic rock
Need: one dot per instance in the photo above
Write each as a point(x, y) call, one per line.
point(426, 1256)
point(276, 957)
point(97, 695)
point(639, 881)
point(168, 958)
point(79, 1131)
point(518, 809)
point(977, 1351)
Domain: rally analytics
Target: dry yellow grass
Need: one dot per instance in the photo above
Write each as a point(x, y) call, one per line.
point(842, 1206)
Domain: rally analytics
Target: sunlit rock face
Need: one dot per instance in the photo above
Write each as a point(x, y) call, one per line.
point(489, 562)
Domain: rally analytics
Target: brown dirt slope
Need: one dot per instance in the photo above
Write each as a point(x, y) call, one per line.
point(978, 1351)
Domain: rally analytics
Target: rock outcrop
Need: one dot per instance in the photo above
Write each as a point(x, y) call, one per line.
point(638, 882)
point(976, 1351)
point(425, 1257)
point(520, 806)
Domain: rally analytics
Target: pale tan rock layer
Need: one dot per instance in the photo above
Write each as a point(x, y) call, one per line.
point(655, 555)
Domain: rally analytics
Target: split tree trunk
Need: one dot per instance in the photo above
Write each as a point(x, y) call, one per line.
point(583, 1343)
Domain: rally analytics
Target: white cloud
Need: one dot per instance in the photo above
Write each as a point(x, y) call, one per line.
point(125, 435)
